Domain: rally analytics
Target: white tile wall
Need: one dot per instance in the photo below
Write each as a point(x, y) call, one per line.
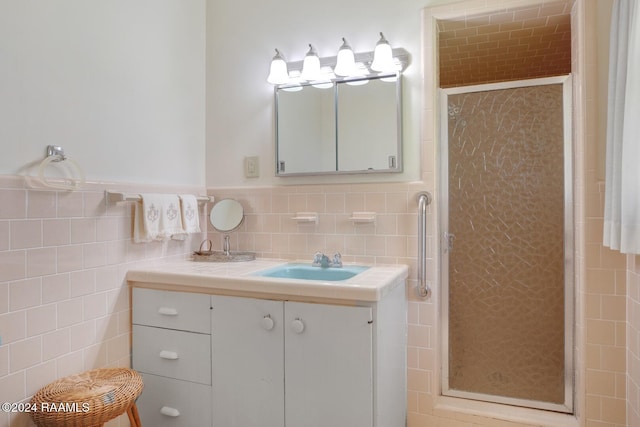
point(64, 305)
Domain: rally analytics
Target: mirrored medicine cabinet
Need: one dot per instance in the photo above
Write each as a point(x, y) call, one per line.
point(344, 127)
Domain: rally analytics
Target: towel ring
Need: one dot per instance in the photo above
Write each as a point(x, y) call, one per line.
point(68, 183)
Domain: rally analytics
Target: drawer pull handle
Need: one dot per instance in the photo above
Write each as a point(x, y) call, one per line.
point(168, 311)
point(169, 411)
point(169, 355)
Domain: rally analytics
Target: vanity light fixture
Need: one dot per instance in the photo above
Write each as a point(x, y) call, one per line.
point(347, 66)
point(278, 73)
point(383, 56)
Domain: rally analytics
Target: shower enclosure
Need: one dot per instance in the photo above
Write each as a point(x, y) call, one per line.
point(507, 248)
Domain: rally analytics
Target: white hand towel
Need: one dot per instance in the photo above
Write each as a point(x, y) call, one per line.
point(158, 217)
point(190, 214)
point(140, 232)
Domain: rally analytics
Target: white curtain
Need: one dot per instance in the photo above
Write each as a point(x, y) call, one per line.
point(622, 185)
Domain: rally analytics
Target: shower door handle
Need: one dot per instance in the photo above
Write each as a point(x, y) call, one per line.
point(448, 241)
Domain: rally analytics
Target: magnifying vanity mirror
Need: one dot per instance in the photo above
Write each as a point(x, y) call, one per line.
point(348, 127)
point(226, 215)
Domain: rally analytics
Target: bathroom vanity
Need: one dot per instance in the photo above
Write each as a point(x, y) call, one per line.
point(220, 345)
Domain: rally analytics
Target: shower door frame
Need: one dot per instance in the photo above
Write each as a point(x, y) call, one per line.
point(569, 265)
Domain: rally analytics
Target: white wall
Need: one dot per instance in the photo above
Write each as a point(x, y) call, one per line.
point(121, 84)
point(242, 36)
point(118, 84)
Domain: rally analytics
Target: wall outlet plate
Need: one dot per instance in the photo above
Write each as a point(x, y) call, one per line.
point(252, 167)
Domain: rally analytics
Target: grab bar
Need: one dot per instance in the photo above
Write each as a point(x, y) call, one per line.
point(424, 199)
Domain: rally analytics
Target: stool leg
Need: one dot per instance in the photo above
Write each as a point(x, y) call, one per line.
point(134, 418)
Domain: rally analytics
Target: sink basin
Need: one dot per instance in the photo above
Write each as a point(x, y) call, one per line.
point(307, 272)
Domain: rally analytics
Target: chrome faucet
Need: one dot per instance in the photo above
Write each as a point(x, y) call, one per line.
point(321, 260)
point(337, 260)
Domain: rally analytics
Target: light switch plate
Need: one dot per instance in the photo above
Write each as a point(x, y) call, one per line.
point(252, 167)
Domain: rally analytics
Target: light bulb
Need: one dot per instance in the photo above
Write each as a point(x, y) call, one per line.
point(278, 73)
point(383, 56)
point(346, 61)
point(311, 65)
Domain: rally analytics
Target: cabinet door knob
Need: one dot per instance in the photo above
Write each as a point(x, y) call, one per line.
point(168, 311)
point(169, 411)
point(169, 355)
point(297, 325)
point(267, 322)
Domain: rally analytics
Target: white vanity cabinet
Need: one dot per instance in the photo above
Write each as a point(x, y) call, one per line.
point(261, 362)
point(291, 364)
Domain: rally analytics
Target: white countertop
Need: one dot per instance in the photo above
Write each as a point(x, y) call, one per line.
point(236, 278)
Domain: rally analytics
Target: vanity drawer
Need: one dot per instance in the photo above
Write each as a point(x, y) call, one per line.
point(166, 402)
point(174, 310)
point(174, 354)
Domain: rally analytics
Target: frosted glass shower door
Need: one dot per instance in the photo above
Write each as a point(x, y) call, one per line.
point(507, 244)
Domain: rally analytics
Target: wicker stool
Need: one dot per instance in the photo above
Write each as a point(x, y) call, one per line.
point(88, 399)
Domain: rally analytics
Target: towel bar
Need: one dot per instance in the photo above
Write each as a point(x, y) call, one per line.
point(115, 196)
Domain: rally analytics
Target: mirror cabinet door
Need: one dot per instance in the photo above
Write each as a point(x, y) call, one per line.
point(346, 128)
point(306, 130)
point(368, 131)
